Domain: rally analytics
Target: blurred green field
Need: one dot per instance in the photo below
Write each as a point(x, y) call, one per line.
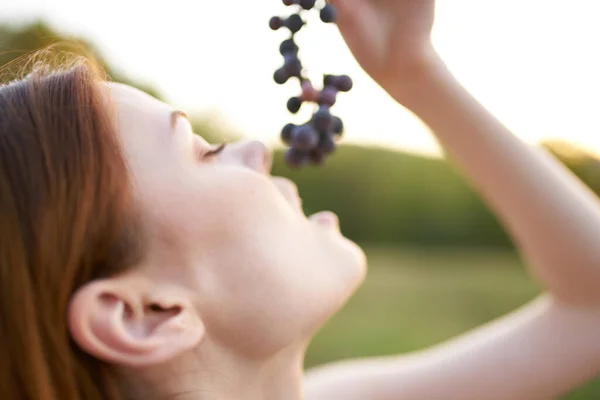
point(416, 298)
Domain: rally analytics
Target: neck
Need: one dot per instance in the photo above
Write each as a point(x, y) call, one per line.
point(218, 374)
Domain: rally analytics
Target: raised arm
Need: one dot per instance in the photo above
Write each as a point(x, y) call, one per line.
point(553, 218)
point(540, 351)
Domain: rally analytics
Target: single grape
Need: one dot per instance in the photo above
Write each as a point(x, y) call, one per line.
point(328, 13)
point(343, 83)
point(281, 76)
point(275, 23)
point(337, 126)
point(288, 46)
point(326, 144)
point(294, 104)
point(292, 65)
point(327, 97)
point(321, 120)
point(294, 23)
point(305, 137)
point(307, 4)
point(289, 2)
point(295, 158)
point(286, 133)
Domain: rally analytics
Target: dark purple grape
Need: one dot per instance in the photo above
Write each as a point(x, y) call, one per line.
point(316, 157)
point(295, 158)
point(281, 76)
point(307, 4)
point(311, 142)
point(326, 144)
point(321, 120)
point(328, 80)
point(327, 97)
point(343, 83)
point(292, 65)
point(289, 58)
point(275, 23)
point(294, 23)
point(288, 46)
point(337, 126)
point(294, 104)
point(286, 133)
point(305, 137)
point(328, 13)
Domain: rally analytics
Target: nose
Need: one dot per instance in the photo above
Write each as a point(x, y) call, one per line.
point(253, 154)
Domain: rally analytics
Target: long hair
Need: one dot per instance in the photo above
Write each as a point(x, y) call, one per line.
point(66, 217)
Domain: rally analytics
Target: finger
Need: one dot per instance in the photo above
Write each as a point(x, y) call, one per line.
point(348, 11)
point(351, 16)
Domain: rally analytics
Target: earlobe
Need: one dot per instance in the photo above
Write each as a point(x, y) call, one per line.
point(127, 325)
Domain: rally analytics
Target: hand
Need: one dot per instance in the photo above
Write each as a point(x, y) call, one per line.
point(390, 39)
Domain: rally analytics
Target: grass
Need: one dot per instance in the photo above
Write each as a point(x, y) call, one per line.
point(413, 299)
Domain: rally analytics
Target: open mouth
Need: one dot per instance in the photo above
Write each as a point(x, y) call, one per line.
point(290, 192)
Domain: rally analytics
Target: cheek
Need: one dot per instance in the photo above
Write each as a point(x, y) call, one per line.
point(259, 266)
point(252, 244)
point(151, 156)
point(241, 200)
point(219, 212)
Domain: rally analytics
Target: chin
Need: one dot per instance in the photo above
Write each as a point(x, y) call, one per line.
point(352, 263)
point(354, 253)
point(329, 223)
point(347, 274)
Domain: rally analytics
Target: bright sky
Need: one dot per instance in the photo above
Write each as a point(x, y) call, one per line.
point(535, 64)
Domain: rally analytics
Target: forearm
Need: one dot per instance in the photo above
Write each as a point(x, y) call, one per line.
point(553, 218)
point(539, 352)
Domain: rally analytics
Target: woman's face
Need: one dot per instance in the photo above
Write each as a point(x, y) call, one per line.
point(236, 238)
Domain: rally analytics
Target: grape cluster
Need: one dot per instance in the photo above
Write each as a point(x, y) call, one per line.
point(312, 141)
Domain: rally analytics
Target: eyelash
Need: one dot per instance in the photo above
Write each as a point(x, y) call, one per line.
point(216, 151)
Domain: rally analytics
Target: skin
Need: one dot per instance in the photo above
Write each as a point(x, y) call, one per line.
point(237, 280)
point(547, 347)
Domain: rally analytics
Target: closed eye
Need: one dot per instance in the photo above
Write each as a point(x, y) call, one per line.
point(215, 151)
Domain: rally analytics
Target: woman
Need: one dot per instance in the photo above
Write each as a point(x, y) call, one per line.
point(139, 262)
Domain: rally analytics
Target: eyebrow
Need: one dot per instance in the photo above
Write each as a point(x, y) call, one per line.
point(175, 114)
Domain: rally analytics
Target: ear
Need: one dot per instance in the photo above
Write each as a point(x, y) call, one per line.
point(128, 323)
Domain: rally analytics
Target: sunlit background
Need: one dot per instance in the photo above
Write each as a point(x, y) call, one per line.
point(440, 263)
point(533, 63)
